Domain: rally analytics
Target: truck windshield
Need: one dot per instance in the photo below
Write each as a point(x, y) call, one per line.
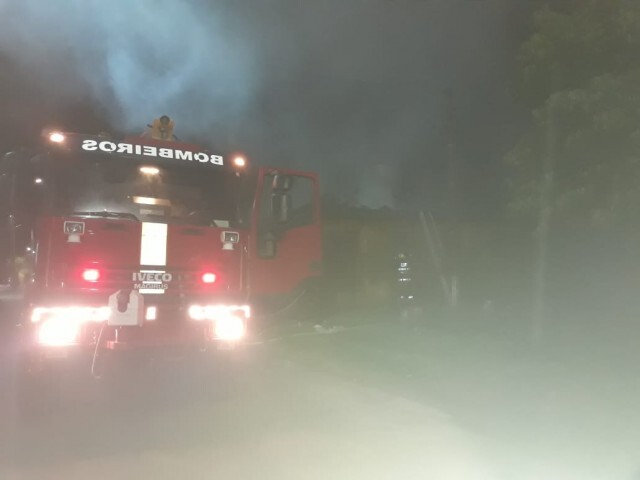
point(147, 191)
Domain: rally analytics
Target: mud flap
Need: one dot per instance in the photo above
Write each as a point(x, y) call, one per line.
point(127, 309)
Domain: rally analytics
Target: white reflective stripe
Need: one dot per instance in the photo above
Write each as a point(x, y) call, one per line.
point(157, 291)
point(153, 244)
point(159, 282)
point(153, 251)
point(151, 291)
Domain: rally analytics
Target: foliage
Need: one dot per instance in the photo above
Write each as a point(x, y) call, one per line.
point(581, 70)
point(574, 42)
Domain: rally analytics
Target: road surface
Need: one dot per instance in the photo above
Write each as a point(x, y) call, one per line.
point(385, 400)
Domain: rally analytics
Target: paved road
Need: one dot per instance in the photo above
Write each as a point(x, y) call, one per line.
point(382, 401)
point(282, 420)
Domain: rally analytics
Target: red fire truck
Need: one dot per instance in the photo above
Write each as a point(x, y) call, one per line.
point(122, 244)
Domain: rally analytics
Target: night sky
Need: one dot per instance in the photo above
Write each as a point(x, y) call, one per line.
point(354, 89)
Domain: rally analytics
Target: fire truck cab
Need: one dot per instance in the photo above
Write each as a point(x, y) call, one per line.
point(125, 244)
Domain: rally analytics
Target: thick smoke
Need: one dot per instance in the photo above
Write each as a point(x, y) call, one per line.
point(352, 89)
point(136, 59)
point(356, 91)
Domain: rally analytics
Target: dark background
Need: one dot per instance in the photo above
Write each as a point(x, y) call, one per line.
point(355, 90)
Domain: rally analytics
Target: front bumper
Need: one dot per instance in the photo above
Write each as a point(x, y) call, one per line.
point(55, 328)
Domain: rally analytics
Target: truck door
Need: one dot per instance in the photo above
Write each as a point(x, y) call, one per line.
point(286, 234)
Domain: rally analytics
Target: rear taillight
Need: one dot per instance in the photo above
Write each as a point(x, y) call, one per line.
point(151, 314)
point(59, 326)
point(208, 278)
point(58, 332)
point(229, 321)
point(91, 275)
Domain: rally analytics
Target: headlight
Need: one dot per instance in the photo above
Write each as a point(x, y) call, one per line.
point(58, 332)
point(230, 328)
point(59, 326)
point(229, 321)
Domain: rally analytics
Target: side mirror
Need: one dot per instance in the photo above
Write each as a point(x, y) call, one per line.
point(280, 206)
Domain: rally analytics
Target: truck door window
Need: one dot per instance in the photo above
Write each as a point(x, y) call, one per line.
point(298, 199)
point(301, 207)
point(273, 223)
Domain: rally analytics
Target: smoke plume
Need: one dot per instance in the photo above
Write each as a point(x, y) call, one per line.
point(137, 60)
point(350, 88)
